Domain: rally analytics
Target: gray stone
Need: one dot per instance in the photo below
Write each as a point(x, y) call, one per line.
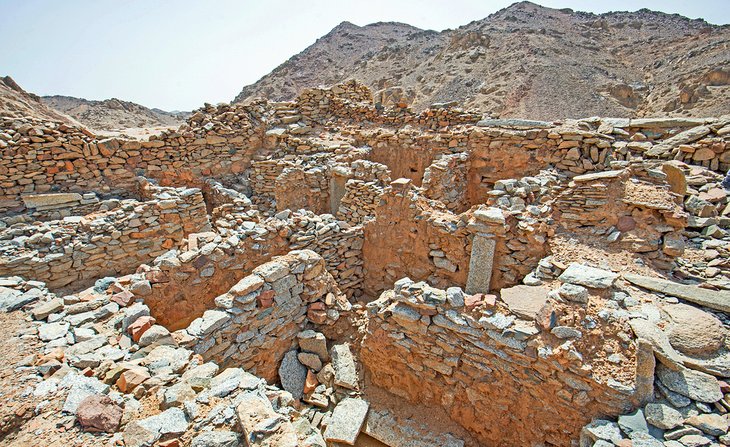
point(689, 383)
point(209, 322)
point(135, 435)
point(480, 265)
point(292, 374)
point(310, 360)
point(52, 331)
point(163, 356)
point(633, 422)
point(43, 310)
point(712, 424)
point(602, 429)
point(314, 342)
point(11, 299)
point(177, 394)
point(695, 440)
point(171, 420)
point(714, 299)
point(566, 332)
point(694, 331)
point(271, 271)
point(346, 421)
point(80, 388)
point(663, 416)
point(216, 439)
point(403, 432)
point(588, 276)
point(573, 292)
point(525, 301)
point(516, 123)
point(50, 200)
point(133, 312)
point(344, 365)
point(158, 335)
point(455, 296)
point(675, 141)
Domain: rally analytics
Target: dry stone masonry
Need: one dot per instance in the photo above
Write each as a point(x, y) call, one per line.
point(328, 271)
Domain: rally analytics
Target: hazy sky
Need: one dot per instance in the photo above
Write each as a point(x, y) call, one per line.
point(177, 54)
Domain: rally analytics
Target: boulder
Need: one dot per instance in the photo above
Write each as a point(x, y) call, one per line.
point(98, 413)
point(693, 331)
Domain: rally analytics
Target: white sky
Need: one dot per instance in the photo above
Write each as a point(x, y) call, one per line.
point(177, 54)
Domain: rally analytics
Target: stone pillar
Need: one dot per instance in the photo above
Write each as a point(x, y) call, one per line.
point(480, 263)
point(487, 223)
point(338, 181)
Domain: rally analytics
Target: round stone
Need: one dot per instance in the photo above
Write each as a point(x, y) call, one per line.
point(694, 331)
point(625, 223)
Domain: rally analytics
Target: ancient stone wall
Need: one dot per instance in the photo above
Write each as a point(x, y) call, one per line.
point(424, 345)
point(77, 250)
point(298, 188)
point(39, 158)
point(445, 180)
point(424, 241)
point(255, 323)
point(339, 244)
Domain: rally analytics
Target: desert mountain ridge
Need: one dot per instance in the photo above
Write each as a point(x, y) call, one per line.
point(113, 114)
point(526, 61)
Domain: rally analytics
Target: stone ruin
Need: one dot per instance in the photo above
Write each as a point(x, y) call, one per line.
point(330, 272)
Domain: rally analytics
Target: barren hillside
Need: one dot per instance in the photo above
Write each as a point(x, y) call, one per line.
point(112, 114)
point(527, 61)
point(17, 103)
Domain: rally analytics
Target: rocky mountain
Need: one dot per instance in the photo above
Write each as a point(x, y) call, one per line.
point(17, 103)
point(113, 114)
point(526, 61)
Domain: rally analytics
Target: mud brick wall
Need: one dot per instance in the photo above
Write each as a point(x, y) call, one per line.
point(425, 349)
point(255, 323)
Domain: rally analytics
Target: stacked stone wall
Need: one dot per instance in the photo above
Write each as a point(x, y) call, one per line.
point(77, 250)
point(255, 323)
point(422, 344)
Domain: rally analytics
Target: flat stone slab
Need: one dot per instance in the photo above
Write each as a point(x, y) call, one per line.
point(292, 374)
point(525, 301)
point(714, 299)
point(528, 124)
point(597, 176)
point(689, 383)
point(344, 365)
point(384, 427)
point(42, 200)
point(346, 421)
point(588, 276)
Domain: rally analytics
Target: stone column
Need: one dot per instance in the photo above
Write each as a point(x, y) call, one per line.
point(486, 223)
point(338, 181)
